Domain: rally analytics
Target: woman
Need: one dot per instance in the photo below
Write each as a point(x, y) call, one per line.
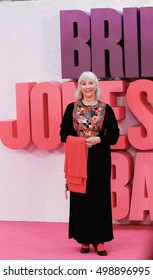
point(90, 220)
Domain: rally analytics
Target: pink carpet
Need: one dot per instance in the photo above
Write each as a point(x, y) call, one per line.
point(48, 241)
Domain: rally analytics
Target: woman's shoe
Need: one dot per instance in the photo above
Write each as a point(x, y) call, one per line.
point(84, 249)
point(99, 248)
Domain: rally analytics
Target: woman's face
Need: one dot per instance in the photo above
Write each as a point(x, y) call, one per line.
point(88, 88)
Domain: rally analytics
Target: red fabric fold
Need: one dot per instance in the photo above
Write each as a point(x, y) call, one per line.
point(75, 166)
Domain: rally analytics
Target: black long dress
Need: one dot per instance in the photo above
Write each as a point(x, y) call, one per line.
point(90, 219)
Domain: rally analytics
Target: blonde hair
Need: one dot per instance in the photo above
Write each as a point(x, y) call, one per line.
point(83, 77)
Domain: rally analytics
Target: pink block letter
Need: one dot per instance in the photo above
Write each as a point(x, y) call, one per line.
point(142, 193)
point(122, 173)
point(15, 134)
point(139, 94)
point(46, 115)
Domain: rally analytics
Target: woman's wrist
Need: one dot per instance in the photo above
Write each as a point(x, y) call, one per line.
point(99, 139)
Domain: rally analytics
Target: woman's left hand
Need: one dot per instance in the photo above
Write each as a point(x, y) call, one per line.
point(91, 141)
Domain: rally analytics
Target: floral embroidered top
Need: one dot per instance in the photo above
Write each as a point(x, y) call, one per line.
point(88, 120)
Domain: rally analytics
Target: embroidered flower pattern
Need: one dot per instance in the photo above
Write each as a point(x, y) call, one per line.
point(88, 120)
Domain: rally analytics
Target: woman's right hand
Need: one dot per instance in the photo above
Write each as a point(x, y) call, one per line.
point(91, 141)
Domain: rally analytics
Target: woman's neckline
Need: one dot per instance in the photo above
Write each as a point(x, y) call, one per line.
point(89, 105)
